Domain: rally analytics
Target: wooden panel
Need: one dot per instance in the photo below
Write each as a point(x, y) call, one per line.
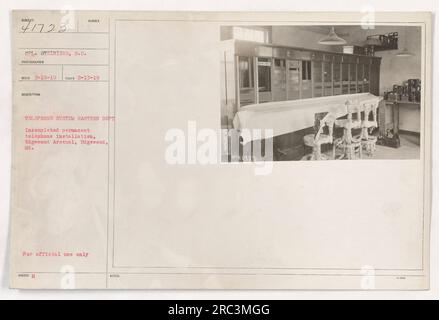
point(338, 58)
point(328, 57)
point(318, 56)
point(329, 73)
point(376, 61)
point(364, 60)
point(296, 54)
point(352, 59)
point(375, 79)
point(278, 83)
point(336, 76)
point(263, 51)
point(245, 48)
point(280, 53)
point(327, 79)
point(317, 78)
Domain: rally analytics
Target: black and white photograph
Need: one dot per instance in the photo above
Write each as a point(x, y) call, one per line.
point(321, 92)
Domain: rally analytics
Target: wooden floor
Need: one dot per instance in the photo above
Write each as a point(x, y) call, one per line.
point(410, 148)
point(291, 148)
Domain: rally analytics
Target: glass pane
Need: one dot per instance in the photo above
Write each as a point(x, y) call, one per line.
point(264, 79)
point(374, 79)
point(306, 80)
point(246, 84)
point(306, 70)
point(264, 74)
point(327, 75)
point(366, 80)
point(317, 75)
point(360, 78)
point(245, 72)
point(279, 80)
point(353, 78)
point(345, 78)
point(337, 77)
point(293, 79)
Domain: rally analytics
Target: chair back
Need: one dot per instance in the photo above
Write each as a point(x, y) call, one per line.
point(327, 121)
point(370, 109)
point(353, 109)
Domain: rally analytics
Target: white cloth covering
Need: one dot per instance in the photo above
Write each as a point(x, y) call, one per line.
point(289, 116)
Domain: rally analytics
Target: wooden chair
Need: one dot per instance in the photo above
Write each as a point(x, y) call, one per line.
point(368, 124)
point(316, 140)
point(350, 145)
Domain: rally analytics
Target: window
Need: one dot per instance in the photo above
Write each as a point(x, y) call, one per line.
point(366, 78)
point(317, 74)
point(345, 72)
point(264, 74)
point(245, 72)
point(279, 63)
point(353, 78)
point(345, 78)
point(327, 78)
point(336, 76)
point(306, 70)
point(366, 73)
point(256, 34)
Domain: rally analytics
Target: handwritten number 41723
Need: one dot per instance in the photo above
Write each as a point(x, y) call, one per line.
point(42, 27)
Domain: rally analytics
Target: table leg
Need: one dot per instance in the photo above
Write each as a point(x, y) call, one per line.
point(395, 112)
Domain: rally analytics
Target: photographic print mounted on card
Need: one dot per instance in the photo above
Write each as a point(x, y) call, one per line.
point(221, 150)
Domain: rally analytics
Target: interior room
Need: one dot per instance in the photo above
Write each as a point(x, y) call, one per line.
point(321, 92)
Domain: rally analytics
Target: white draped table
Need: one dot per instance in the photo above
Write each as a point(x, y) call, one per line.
point(289, 116)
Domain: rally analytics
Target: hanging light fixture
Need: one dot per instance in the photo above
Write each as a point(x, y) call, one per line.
point(404, 52)
point(332, 39)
